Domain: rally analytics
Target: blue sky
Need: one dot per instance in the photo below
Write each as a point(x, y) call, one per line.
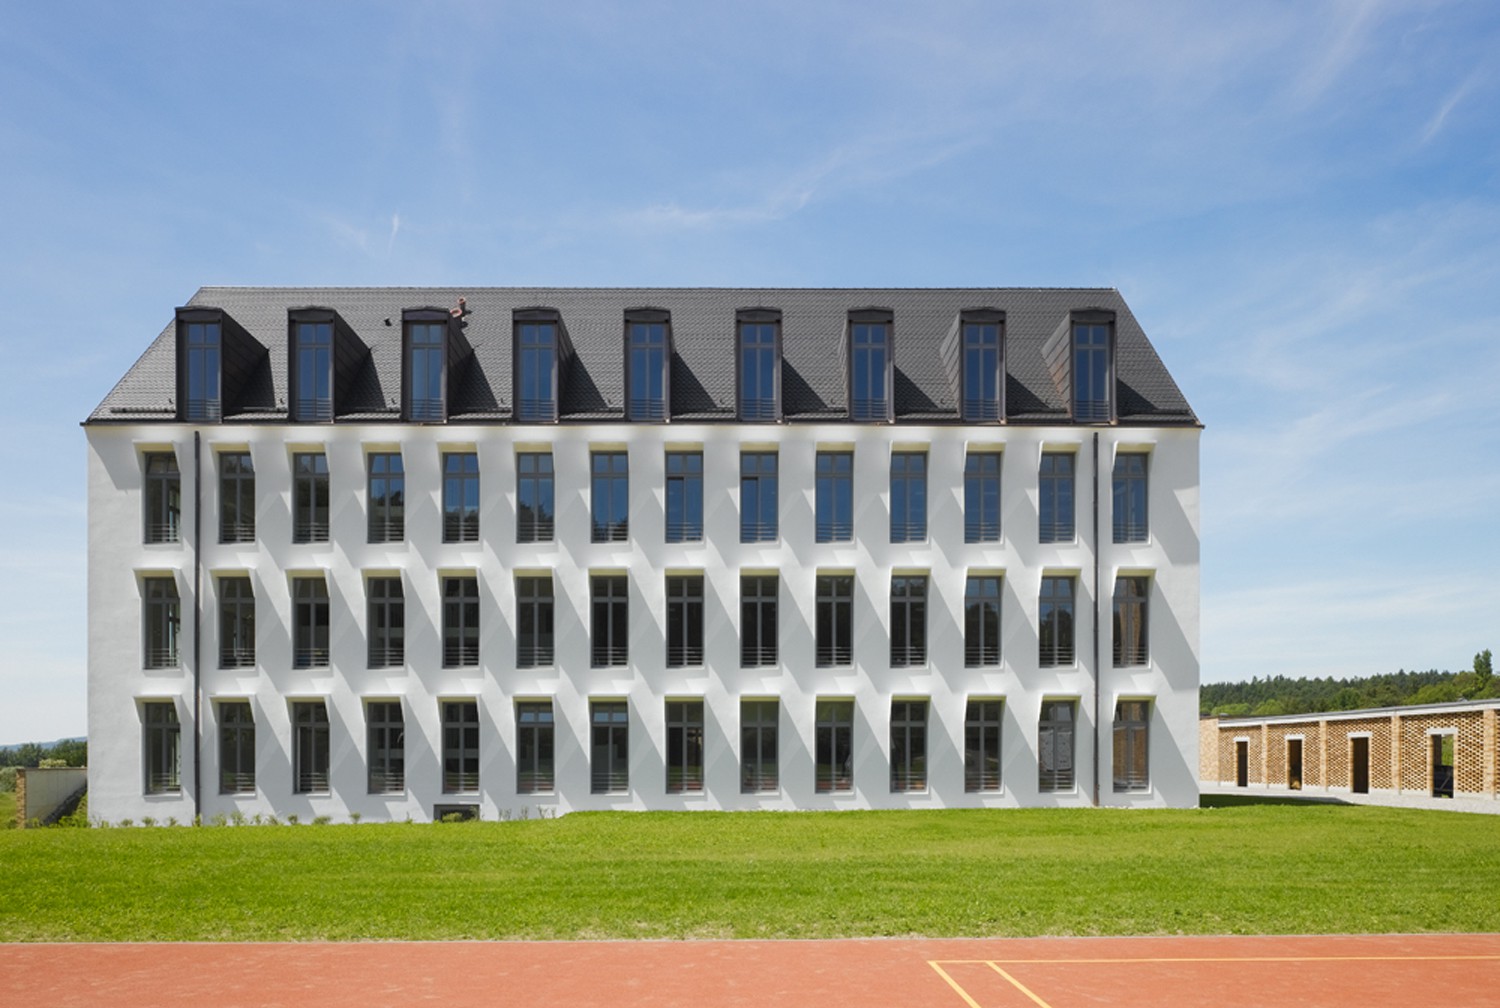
point(1300, 201)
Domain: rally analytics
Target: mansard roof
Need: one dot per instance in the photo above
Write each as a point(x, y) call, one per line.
point(813, 332)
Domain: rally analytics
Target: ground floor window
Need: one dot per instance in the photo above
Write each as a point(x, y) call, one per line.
point(684, 746)
point(162, 747)
point(835, 745)
point(982, 745)
point(386, 727)
point(1055, 739)
point(310, 747)
point(460, 746)
point(758, 767)
point(610, 746)
point(534, 747)
point(1132, 748)
point(908, 745)
point(236, 748)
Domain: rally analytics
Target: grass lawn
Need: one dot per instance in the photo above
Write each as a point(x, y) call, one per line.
point(7, 809)
point(1241, 868)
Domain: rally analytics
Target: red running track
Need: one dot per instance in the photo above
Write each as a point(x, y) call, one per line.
point(1367, 971)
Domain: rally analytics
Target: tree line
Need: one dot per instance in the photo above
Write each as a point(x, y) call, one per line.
point(68, 752)
point(1275, 695)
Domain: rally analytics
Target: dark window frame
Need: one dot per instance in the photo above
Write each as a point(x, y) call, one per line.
point(648, 351)
point(759, 596)
point(461, 740)
point(762, 326)
point(908, 496)
point(385, 622)
point(161, 497)
point(236, 622)
point(908, 752)
point(983, 719)
point(236, 723)
point(684, 599)
point(161, 623)
point(982, 620)
point(1131, 746)
point(1093, 367)
point(609, 623)
point(833, 497)
point(1057, 516)
point(385, 494)
point(759, 757)
point(385, 747)
point(759, 497)
point(609, 496)
point(310, 747)
point(982, 496)
point(461, 501)
point(236, 497)
point(1056, 621)
point(684, 496)
point(200, 356)
point(834, 634)
point(535, 621)
point(909, 620)
point(537, 341)
point(609, 747)
point(536, 497)
point(684, 742)
point(833, 745)
point(426, 355)
point(161, 747)
point(535, 747)
point(1131, 616)
point(311, 358)
point(982, 333)
point(1057, 732)
point(310, 622)
point(1130, 497)
point(461, 621)
point(871, 331)
point(310, 497)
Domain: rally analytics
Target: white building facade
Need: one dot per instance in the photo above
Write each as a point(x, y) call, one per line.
point(550, 550)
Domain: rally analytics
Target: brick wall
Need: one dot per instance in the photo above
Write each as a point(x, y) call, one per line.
point(1208, 748)
point(1468, 750)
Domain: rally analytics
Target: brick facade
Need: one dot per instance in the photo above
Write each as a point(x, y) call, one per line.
point(1399, 745)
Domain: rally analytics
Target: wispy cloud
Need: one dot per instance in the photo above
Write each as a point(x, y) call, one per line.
point(390, 242)
point(1440, 117)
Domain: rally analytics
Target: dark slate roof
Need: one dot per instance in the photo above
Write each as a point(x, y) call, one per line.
point(703, 366)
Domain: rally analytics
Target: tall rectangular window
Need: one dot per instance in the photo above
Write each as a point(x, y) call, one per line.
point(908, 745)
point(310, 747)
point(758, 620)
point(201, 355)
point(385, 620)
point(646, 369)
point(385, 728)
point(312, 371)
point(611, 496)
point(387, 497)
point(1091, 377)
point(460, 497)
point(1132, 745)
point(982, 745)
point(162, 747)
point(460, 622)
point(534, 497)
point(1055, 621)
point(1055, 506)
point(162, 622)
point(760, 364)
point(610, 625)
point(236, 623)
point(309, 622)
point(759, 770)
point(908, 497)
point(835, 620)
point(536, 372)
point(534, 730)
point(908, 620)
point(533, 621)
point(834, 745)
point(610, 746)
point(460, 746)
point(1055, 746)
point(1130, 524)
point(982, 497)
point(163, 497)
point(684, 620)
point(983, 377)
point(834, 497)
point(684, 497)
point(684, 746)
point(869, 371)
point(236, 748)
point(309, 497)
point(236, 498)
point(758, 497)
point(1131, 641)
point(982, 621)
point(426, 371)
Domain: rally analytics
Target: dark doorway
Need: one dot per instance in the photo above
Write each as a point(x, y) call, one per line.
point(1294, 764)
point(1442, 766)
point(1359, 765)
point(1242, 763)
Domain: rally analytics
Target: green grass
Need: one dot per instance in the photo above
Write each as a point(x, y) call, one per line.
point(7, 810)
point(1242, 869)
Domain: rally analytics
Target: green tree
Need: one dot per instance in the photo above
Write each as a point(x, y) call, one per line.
point(1483, 669)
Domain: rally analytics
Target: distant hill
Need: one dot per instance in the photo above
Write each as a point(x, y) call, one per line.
point(1280, 695)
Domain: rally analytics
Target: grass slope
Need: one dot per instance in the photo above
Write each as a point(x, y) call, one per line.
point(7, 809)
point(1244, 869)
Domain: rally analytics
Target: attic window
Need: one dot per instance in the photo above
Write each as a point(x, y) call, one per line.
point(870, 369)
point(759, 337)
point(312, 370)
point(200, 371)
point(425, 348)
point(983, 366)
point(536, 367)
point(648, 355)
point(1093, 371)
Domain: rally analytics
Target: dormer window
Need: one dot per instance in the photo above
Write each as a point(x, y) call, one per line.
point(536, 366)
point(648, 360)
point(312, 370)
point(983, 366)
point(425, 371)
point(1093, 371)
point(870, 369)
point(759, 338)
point(201, 399)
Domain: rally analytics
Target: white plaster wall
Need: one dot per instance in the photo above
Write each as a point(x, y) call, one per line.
point(117, 559)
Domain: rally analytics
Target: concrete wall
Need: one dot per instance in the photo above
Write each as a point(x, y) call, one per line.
point(118, 560)
point(40, 792)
